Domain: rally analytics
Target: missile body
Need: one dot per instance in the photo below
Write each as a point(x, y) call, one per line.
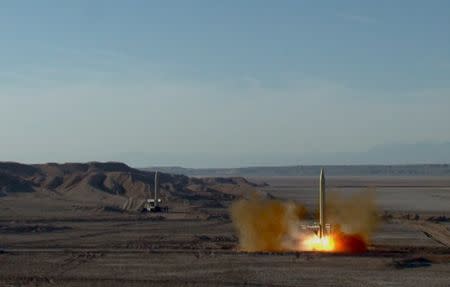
point(322, 204)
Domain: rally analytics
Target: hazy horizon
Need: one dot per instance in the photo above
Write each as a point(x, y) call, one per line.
point(225, 84)
point(398, 154)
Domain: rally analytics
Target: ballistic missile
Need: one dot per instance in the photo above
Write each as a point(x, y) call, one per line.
point(322, 204)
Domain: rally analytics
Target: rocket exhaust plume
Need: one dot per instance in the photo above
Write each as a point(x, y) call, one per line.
point(266, 224)
point(275, 226)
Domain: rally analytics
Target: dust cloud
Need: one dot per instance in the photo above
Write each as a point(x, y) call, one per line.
point(275, 226)
point(355, 214)
point(265, 224)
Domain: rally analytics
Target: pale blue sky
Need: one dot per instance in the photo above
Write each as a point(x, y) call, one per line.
point(220, 83)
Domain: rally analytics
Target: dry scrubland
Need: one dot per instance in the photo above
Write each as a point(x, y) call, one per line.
point(63, 240)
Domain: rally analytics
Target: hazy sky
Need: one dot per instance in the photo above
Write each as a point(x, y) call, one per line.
point(212, 83)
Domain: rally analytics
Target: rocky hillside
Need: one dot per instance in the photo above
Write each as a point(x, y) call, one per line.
point(100, 181)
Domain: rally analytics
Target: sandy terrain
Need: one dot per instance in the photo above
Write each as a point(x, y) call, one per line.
point(88, 246)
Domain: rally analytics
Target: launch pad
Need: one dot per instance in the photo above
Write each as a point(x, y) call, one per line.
point(154, 204)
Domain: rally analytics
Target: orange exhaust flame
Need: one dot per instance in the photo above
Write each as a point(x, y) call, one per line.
point(337, 242)
point(315, 243)
point(349, 243)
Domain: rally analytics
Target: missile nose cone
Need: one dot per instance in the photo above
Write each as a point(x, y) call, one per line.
point(322, 174)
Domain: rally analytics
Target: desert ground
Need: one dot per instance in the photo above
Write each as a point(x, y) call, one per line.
point(61, 242)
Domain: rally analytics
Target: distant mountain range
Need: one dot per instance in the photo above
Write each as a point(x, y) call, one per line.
point(314, 170)
point(386, 154)
point(419, 159)
point(417, 153)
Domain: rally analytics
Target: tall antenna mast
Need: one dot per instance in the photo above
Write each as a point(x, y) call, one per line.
point(156, 188)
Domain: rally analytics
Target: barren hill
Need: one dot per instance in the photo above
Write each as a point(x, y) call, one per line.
point(113, 183)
